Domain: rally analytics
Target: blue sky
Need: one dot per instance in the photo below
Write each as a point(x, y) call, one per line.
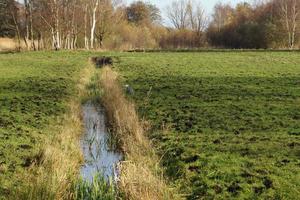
point(207, 4)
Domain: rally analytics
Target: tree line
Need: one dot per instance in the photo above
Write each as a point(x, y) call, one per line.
point(111, 24)
point(269, 24)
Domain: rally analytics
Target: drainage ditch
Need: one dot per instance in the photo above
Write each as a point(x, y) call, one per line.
point(100, 158)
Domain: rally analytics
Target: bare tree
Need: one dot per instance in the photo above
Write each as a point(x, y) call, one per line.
point(30, 4)
point(107, 19)
point(178, 14)
point(95, 4)
point(86, 41)
point(70, 23)
point(55, 23)
point(197, 17)
point(222, 15)
point(17, 29)
point(104, 19)
point(289, 11)
point(187, 14)
point(27, 10)
point(9, 20)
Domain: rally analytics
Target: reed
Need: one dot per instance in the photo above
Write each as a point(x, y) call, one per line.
point(8, 44)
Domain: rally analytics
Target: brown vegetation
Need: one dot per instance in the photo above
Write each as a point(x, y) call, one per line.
point(8, 44)
point(141, 177)
point(268, 24)
point(108, 24)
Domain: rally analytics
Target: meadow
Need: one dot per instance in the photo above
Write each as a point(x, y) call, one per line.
point(35, 89)
point(41, 95)
point(226, 124)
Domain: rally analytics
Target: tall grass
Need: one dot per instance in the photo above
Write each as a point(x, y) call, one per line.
point(141, 177)
point(98, 189)
point(8, 44)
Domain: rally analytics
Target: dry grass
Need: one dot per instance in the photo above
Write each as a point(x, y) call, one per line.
point(54, 176)
point(8, 44)
point(141, 177)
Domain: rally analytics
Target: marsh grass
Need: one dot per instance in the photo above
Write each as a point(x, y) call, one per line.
point(98, 189)
point(8, 44)
point(93, 92)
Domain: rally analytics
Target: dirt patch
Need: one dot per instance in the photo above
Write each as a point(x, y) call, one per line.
point(102, 61)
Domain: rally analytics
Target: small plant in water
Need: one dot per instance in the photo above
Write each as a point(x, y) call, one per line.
point(98, 189)
point(112, 141)
point(90, 141)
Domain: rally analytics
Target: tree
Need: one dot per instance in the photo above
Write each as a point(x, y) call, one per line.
point(289, 14)
point(197, 17)
point(223, 14)
point(8, 18)
point(140, 12)
point(187, 14)
point(106, 19)
point(178, 14)
point(155, 14)
point(95, 4)
point(243, 27)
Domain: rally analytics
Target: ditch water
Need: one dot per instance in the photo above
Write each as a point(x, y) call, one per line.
point(99, 157)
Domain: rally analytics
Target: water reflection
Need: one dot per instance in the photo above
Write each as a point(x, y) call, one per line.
point(99, 158)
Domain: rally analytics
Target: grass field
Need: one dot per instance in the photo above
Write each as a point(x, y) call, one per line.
point(227, 124)
point(34, 90)
point(40, 130)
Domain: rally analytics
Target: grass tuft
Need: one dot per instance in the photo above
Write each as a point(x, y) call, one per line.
point(99, 189)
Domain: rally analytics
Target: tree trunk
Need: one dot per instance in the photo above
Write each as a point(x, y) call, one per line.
point(17, 31)
point(94, 20)
point(290, 16)
point(86, 42)
point(295, 13)
point(57, 33)
point(26, 37)
point(31, 26)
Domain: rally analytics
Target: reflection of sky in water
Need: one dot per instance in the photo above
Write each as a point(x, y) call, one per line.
point(98, 157)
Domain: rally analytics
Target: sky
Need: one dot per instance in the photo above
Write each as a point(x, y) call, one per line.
point(207, 4)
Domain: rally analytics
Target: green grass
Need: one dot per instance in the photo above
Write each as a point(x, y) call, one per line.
point(98, 189)
point(227, 124)
point(34, 90)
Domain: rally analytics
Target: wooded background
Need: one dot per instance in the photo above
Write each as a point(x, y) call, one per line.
point(111, 24)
